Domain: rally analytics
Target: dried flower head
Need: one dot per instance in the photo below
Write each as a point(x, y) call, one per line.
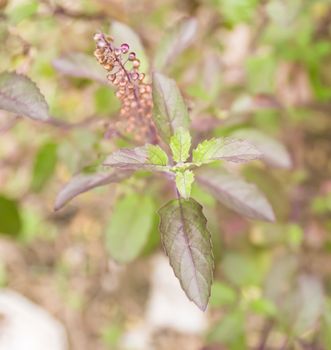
point(135, 95)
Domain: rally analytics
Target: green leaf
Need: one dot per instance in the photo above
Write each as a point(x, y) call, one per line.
point(186, 241)
point(84, 182)
point(326, 325)
point(233, 150)
point(230, 330)
point(222, 294)
point(20, 95)
point(236, 194)
point(112, 334)
point(184, 181)
point(272, 151)
point(263, 307)
point(311, 300)
point(180, 145)
point(106, 102)
point(23, 10)
point(170, 112)
point(124, 34)
point(236, 11)
point(243, 269)
point(174, 43)
point(157, 156)
point(146, 157)
point(44, 165)
point(80, 65)
point(10, 218)
point(129, 227)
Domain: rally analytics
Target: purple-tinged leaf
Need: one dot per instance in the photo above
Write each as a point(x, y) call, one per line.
point(20, 95)
point(84, 182)
point(170, 112)
point(80, 65)
point(175, 42)
point(235, 193)
point(124, 34)
point(148, 157)
point(272, 151)
point(232, 150)
point(186, 241)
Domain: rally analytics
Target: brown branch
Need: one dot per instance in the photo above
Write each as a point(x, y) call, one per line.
point(265, 334)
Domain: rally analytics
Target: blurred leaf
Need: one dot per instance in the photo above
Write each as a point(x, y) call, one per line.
point(236, 194)
point(261, 71)
point(153, 240)
point(170, 112)
point(273, 152)
point(146, 157)
point(243, 269)
point(23, 10)
point(273, 188)
point(326, 325)
point(111, 334)
point(10, 218)
point(203, 197)
point(236, 11)
point(106, 101)
point(44, 166)
point(311, 303)
point(129, 227)
point(186, 241)
point(294, 235)
point(124, 34)
point(174, 43)
point(280, 278)
point(20, 95)
point(222, 294)
point(232, 150)
point(84, 182)
point(263, 307)
point(3, 275)
point(180, 144)
point(80, 65)
point(230, 330)
point(184, 181)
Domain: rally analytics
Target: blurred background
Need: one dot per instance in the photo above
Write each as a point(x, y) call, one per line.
point(257, 69)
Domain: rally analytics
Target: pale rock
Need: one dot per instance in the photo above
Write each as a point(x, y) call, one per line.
point(26, 326)
point(167, 308)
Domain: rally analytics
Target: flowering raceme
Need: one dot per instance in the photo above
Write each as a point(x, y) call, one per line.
point(135, 95)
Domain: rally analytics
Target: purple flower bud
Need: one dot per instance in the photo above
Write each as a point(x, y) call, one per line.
point(97, 36)
point(125, 48)
point(101, 44)
point(132, 56)
point(134, 76)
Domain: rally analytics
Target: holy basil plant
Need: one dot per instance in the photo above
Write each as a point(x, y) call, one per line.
point(183, 226)
point(156, 116)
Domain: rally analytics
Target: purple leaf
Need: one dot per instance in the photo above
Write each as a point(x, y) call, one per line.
point(169, 112)
point(272, 151)
point(186, 241)
point(236, 194)
point(84, 182)
point(20, 95)
point(148, 157)
point(229, 149)
point(79, 65)
point(175, 42)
